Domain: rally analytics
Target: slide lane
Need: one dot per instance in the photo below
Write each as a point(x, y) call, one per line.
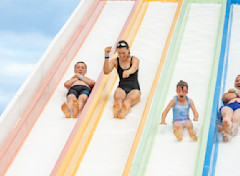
point(111, 141)
point(79, 140)
point(223, 155)
point(193, 59)
point(44, 144)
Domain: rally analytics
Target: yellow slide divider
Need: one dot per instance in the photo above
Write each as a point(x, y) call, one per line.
point(152, 92)
point(85, 132)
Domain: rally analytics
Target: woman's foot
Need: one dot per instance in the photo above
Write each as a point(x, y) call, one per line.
point(116, 109)
point(124, 112)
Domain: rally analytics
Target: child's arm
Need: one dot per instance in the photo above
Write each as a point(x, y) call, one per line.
point(164, 114)
point(195, 113)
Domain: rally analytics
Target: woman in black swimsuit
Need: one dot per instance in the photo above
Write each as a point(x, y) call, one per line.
point(128, 92)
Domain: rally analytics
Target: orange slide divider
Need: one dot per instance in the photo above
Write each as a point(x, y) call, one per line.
point(80, 138)
point(17, 137)
point(151, 95)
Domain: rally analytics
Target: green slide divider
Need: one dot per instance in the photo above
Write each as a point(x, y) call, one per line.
point(147, 140)
point(211, 89)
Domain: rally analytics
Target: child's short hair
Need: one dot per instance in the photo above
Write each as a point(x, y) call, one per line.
point(81, 63)
point(182, 83)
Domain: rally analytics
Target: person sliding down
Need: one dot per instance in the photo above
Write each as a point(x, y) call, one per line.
point(127, 93)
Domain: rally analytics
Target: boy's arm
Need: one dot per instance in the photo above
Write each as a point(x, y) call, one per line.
point(87, 80)
point(228, 96)
point(195, 113)
point(164, 114)
point(70, 82)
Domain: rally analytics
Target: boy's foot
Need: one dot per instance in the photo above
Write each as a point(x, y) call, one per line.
point(226, 127)
point(224, 133)
point(75, 108)
point(124, 112)
point(225, 138)
point(116, 108)
point(65, 110)
point(176, 133)
point(220, 129)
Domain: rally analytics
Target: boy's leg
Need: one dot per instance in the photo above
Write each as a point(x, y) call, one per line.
point(178, 130)
point(119, 96)
point(235, 122)
point(188, 124)
point(227, 114)
point(79, 104)
point(132, 98)
point(68, 107)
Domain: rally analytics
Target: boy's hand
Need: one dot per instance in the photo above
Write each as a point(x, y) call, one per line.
point(163, 123)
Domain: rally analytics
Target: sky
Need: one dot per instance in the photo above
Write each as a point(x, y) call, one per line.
point(26, 30)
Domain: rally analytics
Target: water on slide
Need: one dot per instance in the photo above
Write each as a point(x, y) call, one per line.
point(228, 153)
point(42, 147)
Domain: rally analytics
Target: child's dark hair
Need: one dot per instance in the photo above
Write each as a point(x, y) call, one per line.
point(81, 63)
point(182, 83)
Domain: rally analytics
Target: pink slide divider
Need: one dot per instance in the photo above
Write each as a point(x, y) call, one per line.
point(89, 101)
point(33, 111)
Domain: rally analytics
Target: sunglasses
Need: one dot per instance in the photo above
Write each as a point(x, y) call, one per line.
point(181, 91)
point(122, 44)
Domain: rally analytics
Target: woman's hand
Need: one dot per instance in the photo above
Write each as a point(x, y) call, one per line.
point(126, 74)
point(107, 50)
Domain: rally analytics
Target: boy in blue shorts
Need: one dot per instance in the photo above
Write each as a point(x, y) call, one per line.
point(230, 112)
point(181, 104)
point(79, 88)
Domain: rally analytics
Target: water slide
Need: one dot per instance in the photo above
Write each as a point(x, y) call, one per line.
point(36, 138)
point(221, 157)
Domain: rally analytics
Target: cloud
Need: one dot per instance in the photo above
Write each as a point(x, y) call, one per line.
point(19, 54)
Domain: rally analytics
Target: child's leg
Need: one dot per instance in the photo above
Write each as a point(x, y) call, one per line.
point(188, 124)
point(178, 130)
